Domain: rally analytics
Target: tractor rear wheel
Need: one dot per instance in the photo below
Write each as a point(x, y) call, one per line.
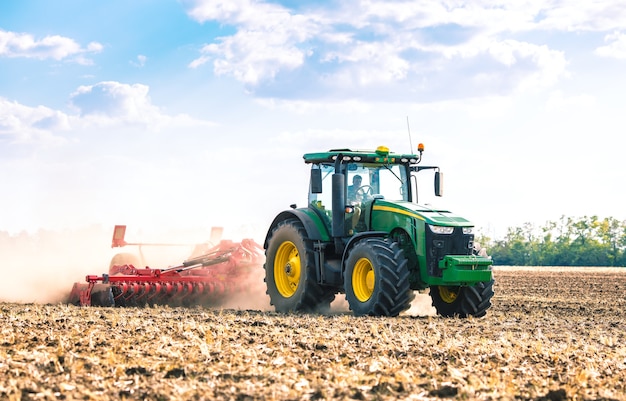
point(376, 280)
point(290, 271)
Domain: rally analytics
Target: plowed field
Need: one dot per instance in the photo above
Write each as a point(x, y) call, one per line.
point(551, 334)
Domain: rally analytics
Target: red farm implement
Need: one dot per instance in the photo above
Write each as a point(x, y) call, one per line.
point(213, 274)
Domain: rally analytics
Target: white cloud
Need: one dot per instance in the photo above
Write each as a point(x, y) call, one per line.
point(548, 65)
point(31, 124)
point(616, 47)
point(114, 103)
point(266, 42)
point(371, 62)
point(252, 56)
point(571, 15)
point(365, 44)
point(54, 47)
point(104, 104)
point(140, 61)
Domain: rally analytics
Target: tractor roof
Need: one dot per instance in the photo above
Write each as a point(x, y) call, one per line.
point(379, 155)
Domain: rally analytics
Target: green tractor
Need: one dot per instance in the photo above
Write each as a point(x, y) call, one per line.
point(364, 234)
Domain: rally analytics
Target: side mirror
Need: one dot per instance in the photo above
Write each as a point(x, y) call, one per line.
point(316, 181)
point(438, 183)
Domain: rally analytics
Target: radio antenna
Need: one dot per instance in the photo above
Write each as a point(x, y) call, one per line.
point(409, 129)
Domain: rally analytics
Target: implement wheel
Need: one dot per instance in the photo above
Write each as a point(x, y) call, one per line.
point(376, 280)
point(290, 271)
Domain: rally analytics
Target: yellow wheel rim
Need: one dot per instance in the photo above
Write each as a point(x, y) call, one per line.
point(363, 279)
point(448, 294)
point(287, 268)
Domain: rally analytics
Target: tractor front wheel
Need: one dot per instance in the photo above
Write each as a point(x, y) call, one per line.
point(376, 280)
point(474, 301)
point(467, 301)
point(290, 271)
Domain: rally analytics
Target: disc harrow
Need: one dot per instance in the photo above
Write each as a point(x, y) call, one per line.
point(209, 279)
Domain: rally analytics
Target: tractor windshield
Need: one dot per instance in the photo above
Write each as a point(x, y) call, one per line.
point(366, 182)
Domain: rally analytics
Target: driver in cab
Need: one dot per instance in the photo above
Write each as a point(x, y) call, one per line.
point(355, 197)
point(352, 189)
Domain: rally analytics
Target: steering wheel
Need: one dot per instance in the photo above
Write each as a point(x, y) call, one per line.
point(364, 192)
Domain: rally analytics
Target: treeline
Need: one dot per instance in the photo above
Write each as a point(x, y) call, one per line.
point(585, 241)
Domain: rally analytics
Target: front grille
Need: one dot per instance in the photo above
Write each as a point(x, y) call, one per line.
point(440, 245)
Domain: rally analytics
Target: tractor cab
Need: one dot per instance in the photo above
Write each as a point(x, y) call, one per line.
point(352, 181)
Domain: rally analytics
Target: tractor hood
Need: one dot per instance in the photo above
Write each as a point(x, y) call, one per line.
point(438, 217)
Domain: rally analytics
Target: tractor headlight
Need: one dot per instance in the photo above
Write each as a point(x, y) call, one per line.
point(441, 229)
point(468, 230)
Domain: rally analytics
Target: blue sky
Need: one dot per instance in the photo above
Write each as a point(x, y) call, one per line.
point(197, 113)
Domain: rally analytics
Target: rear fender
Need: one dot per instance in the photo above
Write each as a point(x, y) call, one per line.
point(313, 225)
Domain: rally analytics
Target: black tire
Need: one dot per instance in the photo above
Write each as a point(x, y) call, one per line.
point(467, 301)
point(103, 297)
point(290, 271)
point(376, 279)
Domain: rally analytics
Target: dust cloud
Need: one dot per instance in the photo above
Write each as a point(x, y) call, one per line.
point(41, 267)
point(421, 306)
point(253, 298)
